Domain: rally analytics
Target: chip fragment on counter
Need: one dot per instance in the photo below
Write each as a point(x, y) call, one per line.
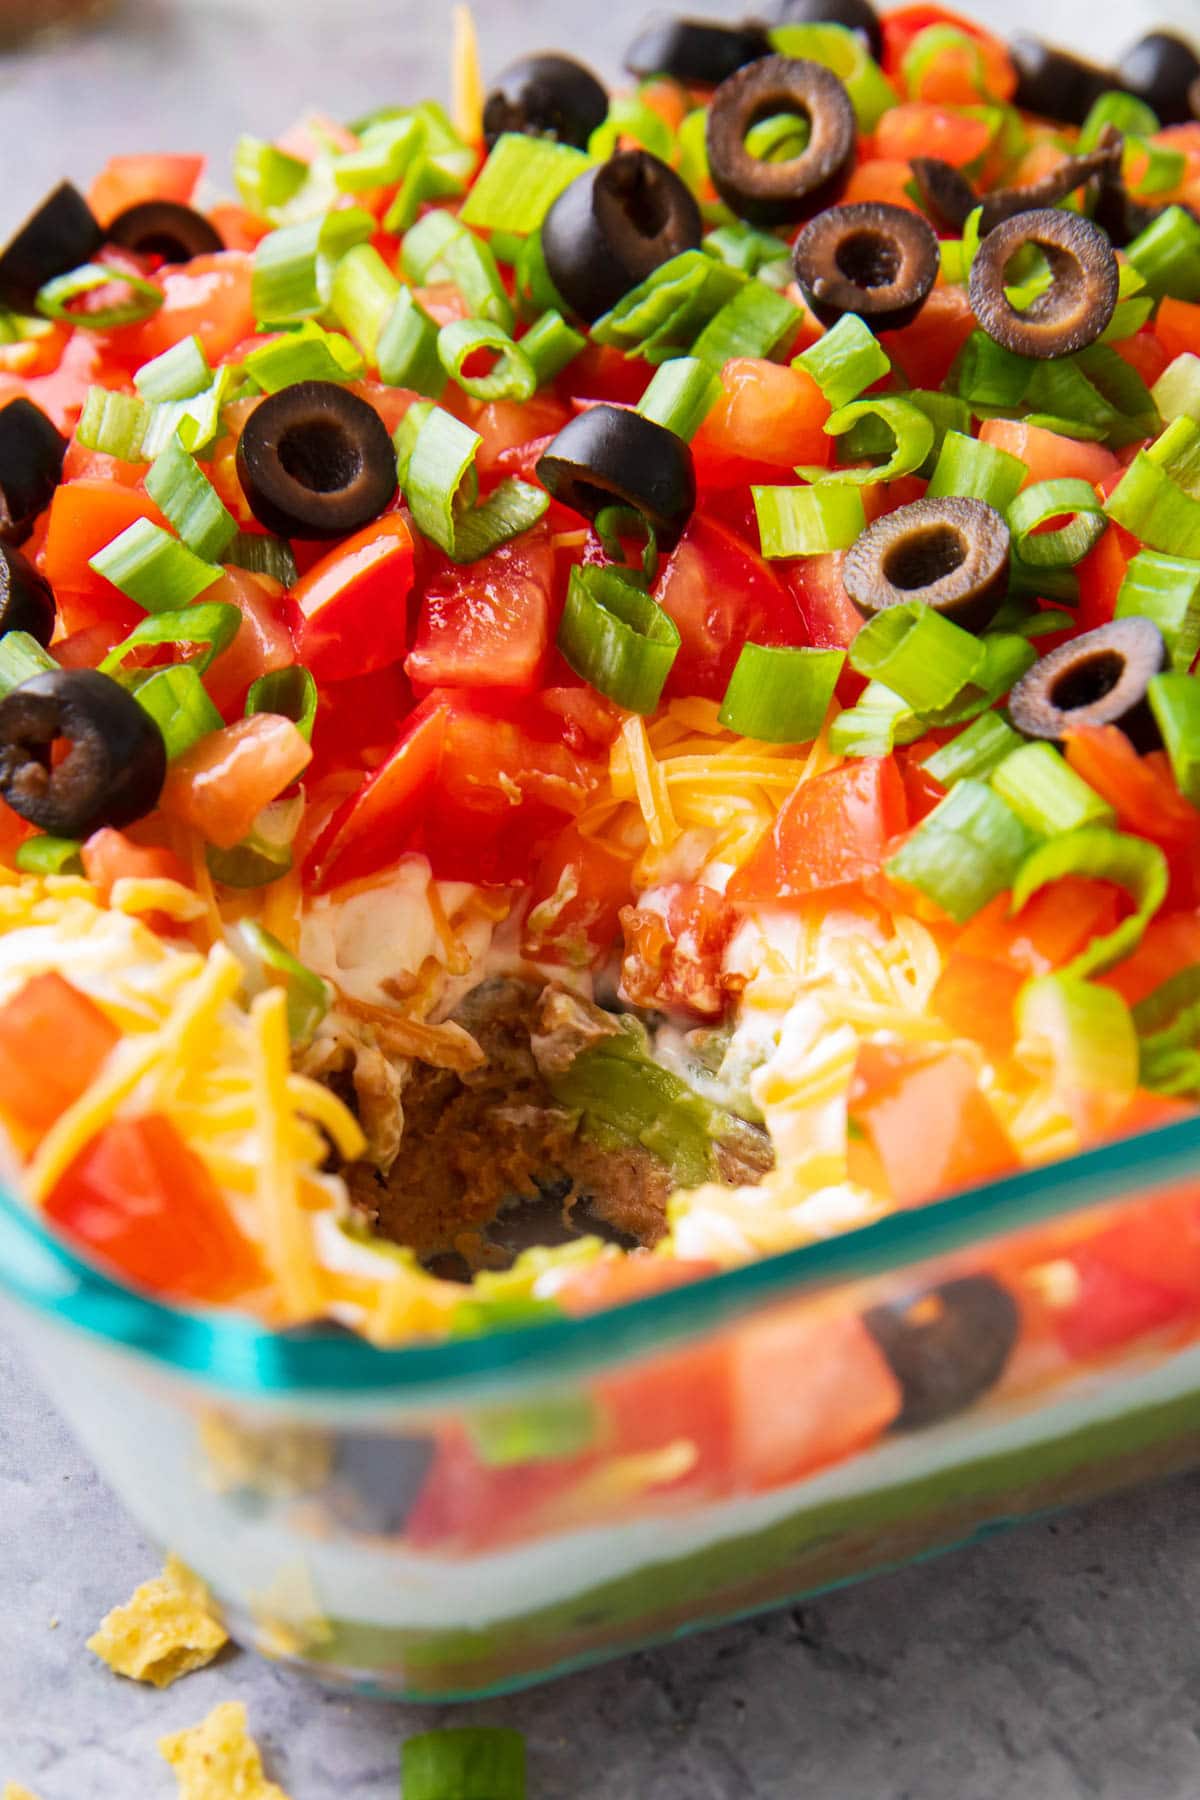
point(165, 1630)
point(218, 1759)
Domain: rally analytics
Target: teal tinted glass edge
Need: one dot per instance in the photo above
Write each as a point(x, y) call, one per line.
point(239, 1357)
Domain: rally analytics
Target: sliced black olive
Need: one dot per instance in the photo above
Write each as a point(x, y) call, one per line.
point(1103, 164)
point(31, 460)
point(1082, 295)
point(26, 598)
point(855, 15)
point(944, 191)
point(545, 96)
point(1194, 98)
point(615, 225)
point(1100, 678)
point(60, 235)
point(777, 193)
point(946, 1347)
point(870, 258)
point(315, 461)
point(115, 765)
point(698, 52)
point(952, 554)
point(1160, 70)
point(1054, 84)
point(165, 228)
point(610, 456)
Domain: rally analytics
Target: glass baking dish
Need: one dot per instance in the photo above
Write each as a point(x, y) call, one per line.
point(462, 1518)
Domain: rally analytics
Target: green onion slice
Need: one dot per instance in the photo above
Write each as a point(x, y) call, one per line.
point(294, 266)
point(1168, 1026)
point(843, 51)
point(261, 554)
point(1167, 254)
point(1100, 854)
point(746, 249)
point(1045, 500)
point(1175, 703)
point(987, 374)
point(464, 1763)
point(54, 299)
point(511, 377)
point(780, 695)
point(1167, 590)
point(214, 624)
point(919, 654)
point(975, 752)
point(877, 722)
point(681, 395)
point(45, 855)
point(1177, 390)
point(1044, 790)
point(550, 344)
point(407, 349)
point(976, 471)
point(266, 854)
point(519, 183)
point(184, 494)
point(968, 850)
point(363, 296)
point(1085, 1031)
point(291, 692)
point(808, 521)
point(912, 430)
point(114, 424)
point(630, 117)
point(306, 354)
point(153, 568)
point(441, 486)
point(178, 374)
point(755, 322)
point(665, 314)
point(21, 658)
point(266, 178)
point(308, 994)
point(846, 360)
point(1006, 657)
point(177, 701)
point(617, 638)
point(440, 248)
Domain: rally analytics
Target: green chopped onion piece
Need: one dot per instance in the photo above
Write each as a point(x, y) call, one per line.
point(779, 137)
point(918, 653)
point(196, 421)
point(871, 436)
point(630, 117)
point(1044, 791)
point(427, 177)
point(665, 314)
point(263, 555)
point(746, 249)
point(807, 521)
point(875, 724)
point(1167, 1022)
point(1177, 453)
point(1122, 388)
point(957, 254)
point(407, 349)
point(976, 471)
point(442, 488)
point(1167, 254)
point(308, 994)
point(1176, 393)
point(306, 354)
point(363, 296)
point(266, 177)
point(691, 162)
point(385, 154)
point(975, 752)
point(780, 696)
point(214, 624)
point(184, 494)
point(1147, 502)
point(1165, 589)
point(263, 856)
point(1131, 117)
point(440, 248)
point(153, 568)
point(681, 395)
point(1129, 316)
point(843, 51)
point(1035, 506)
point(54, 299)
point(1100, 854)
point(846, 360)
point(1006, 657)
point(988, 374)
point(21, 658)
point(291, 692)
point(965, 852)
point(550, 345)
point(507, 247)
point(1175, 703)
point(535, 290)
point(500, 1312)
point(617, 638)
point(294, 266)
point(1060, 390)
point(45, 855)
point(178, 374)
point(114, 424)
point(555, 1426)
point(520, 181)
point(912, 429)
point(1084, 1031)
point(1164, 169)
point(464, 1763)
point(177, 701)
point(754, 323)
point(511, 377)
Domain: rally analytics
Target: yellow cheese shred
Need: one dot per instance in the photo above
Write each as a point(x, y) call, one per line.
point(287, 1238)
point(466, 79)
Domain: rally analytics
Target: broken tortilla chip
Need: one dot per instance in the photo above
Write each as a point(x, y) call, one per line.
point(14, 1791)
point(218, 1759)
point(166, 1629)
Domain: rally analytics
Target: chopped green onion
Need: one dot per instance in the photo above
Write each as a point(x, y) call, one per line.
point(407, 350)
point(214, 624)
point(153, 568)
point(1084, 1031)
point(178, 374)
point(385, 154)
point(464, 1763)
point(1045, 500)
point(871, 437)
point(555, 1426)
point(1167, 254)
point(976, 471)
point(45, 855)
point(987, 374)
point(184, 494)
point(778, 137)
point(265, 177)
point(681, 395)
point(1121, 388)
point(177, 701)
point(535, 290)
point(630, 117)
point(875, 724)
point(1131, 117)
point(1062, 399)
point(442, 488)
point(957, 254)
point(943, 40)
point(266, 853)
point(306, 354)
point(520, 181)
point(1006, 657)
point(550, 345)
point(691, 164)
point(754, 323)
point(263, 555)
point(1167, 590)
point(363, 296)
point(975, 752)
point(511, 377)
point(1147, 502)
point(848, 359)
point(843, 51)
point(665, 314)
point(780, 696)
point(440, 248)
point(742, 247)
point(807, 521)
point(924, 657)
point(1175, 703)
point(1164, 169)
point(21, 658)
point(290, 692)
point(1176, 393)
point(911, 428)
point(197, 421)
point(617, 638)
point(1046, 793)
point(113, 423)
point(54, 299)
point(308, 994)
point(965, 852)
point(1177, 453)
point(1100, 854)
point(294, 266)
point(427, 178)
point(1168, 1026)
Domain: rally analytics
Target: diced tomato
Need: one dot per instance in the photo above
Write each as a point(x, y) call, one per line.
point(443, 302)
point(237, 228)
point(1170, 944)
point(685, 1396)
point(82, 464)
point(263, 641)
point(128, 180)
point(976, 999)
point(1050, 456)
point(677, 960)
point(504, 425)
point(490, 623)
point(222, 783)
point(1049, 930)
point(86, 649)
point(1177, 326)
point(210, 296)
point(831, 832)
point(1100, 575)
point(831, 619)
point(1145, 799)
point(901, 25)
point(352, 605)
point(109, 856)
point(602, 372)
point(358, 720)
point(954, 74)
point(769, 417)
point(391, 403)
point(61, 389)
point(84, 517)
point(589, 722)
point(926, 348)
point(915, 130)
point(1145, 355)
point(145, 1204)
point(721, 595)
point(1111, 1307)
point(931, 1127)
point(374, 825)
point(578, 891)
point(880, 178)
point(53, 1040)
point(468, 1505)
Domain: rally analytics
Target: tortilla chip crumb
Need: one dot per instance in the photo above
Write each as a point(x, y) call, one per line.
point(279, 1462)
point(166, 1629)
point(218, 1760)
point(13, 1791)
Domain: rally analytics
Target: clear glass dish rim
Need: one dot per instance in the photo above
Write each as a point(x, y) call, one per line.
point(239, 1358)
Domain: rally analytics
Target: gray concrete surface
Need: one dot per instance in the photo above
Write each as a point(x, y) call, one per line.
point(1058, 1663)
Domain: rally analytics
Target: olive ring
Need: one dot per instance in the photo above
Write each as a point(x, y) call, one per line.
point(1080, 300)
point(776, 193)
point(1101, 678)
point(952, 553)
point(870, 258)
point(115, 765)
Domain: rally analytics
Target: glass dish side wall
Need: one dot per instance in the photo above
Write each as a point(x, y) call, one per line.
point(437, 1550)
